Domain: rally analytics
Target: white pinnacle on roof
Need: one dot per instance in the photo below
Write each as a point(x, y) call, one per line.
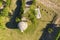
point(38, 15)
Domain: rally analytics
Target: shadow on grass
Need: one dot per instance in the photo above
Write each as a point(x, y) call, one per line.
point(17, 13)
point(59, 38)
point(50, 35)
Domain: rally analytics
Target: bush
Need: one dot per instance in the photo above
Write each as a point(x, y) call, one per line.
point(32, 14)
point(5, 11)
point(23, 4)
point(8, 2)
point(2, 21)
point(58, 35)
point(50, 30)
point(0, 3)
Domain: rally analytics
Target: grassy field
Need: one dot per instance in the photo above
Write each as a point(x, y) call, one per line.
point(32, 33)
point(57, 2)
point(54, 4)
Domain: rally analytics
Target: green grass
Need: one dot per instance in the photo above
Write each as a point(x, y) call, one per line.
point(56, 2)
point(5, 11)
point(8, 2)
point(33, 32)
point(0, 3)
point(58, 36)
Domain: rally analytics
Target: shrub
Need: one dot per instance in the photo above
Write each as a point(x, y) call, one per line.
point(2, 21)
point(58, 35)
point(8, 2)
point(0, 3)
point(23, 4)
point(32, 14)
point(50, 30)
point(5, 11)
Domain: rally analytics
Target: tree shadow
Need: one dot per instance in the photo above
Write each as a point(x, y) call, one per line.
point(50, 36)
point(17, 13)
point(59, 38)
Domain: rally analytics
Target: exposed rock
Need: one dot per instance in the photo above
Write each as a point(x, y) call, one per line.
point(38, 15)
point(23, 24)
